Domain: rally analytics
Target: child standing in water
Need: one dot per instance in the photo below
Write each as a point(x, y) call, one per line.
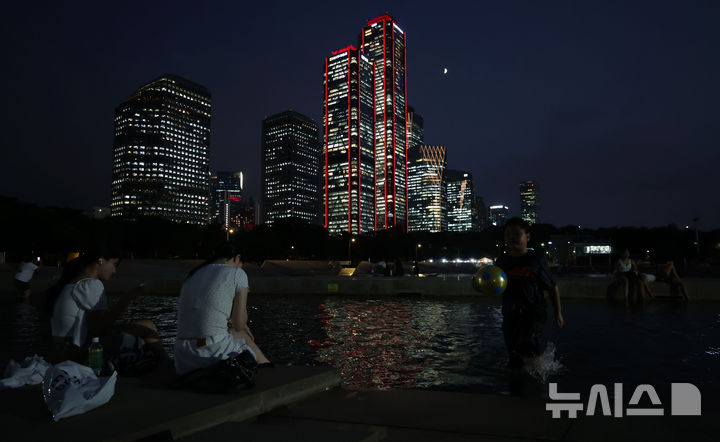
point(523, 309)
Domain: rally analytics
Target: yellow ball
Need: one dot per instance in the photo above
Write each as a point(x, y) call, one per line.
point(490, 280)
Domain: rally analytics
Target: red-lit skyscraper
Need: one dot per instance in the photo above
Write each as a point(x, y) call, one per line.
point(348, 173)
point(383, 43)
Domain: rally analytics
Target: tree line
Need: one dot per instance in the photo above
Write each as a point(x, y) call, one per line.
point(53, 233)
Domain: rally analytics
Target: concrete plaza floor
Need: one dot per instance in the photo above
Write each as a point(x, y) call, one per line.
point(305, 404)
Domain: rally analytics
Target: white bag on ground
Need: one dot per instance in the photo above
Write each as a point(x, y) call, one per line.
point(70, 388)
point(29, 371)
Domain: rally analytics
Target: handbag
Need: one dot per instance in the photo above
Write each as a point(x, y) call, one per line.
point(223, 377)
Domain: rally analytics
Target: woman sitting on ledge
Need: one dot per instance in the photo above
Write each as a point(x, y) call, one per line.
point(212, 314)
point(627, 275)
point(79, 308)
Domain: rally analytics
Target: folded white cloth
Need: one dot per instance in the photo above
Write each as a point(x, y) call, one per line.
point(70, 388)
point(29, 371)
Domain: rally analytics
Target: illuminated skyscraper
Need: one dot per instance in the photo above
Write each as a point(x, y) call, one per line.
point(383, 43)
point(290, 167)
point(161, 152)
point(426, 188)
point(498, 214)
point(529, 201)
point(415, 129)
point(460, 196)
point(226, 197)
point(349, 180)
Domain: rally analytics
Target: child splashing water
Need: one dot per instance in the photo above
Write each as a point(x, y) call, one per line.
point(523, 309)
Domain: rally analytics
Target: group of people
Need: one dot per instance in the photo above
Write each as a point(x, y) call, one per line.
point(212, 314)
point(212, 322)
point(213, 319)
point(633, 279)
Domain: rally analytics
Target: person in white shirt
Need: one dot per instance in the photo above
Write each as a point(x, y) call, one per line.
point(80, 310)
point(212, 314)
point(24, 275)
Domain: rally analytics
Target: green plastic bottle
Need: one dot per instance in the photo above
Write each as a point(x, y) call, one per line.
point(95, 356)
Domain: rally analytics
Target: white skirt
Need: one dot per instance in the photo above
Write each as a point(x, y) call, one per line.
point(189, 357)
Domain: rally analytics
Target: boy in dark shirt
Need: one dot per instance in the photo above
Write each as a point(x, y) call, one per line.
point(523, 309)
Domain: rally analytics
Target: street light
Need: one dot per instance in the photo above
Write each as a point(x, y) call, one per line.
point(352, 240)
point(228, 232)
point(417, 247)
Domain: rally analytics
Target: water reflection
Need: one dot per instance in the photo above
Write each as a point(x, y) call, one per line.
point(384, 344)
point(438, 343)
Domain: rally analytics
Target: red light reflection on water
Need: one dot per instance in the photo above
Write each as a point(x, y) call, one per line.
point(377, 345)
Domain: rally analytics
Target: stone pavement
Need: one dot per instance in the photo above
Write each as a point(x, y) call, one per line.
point(140, 409)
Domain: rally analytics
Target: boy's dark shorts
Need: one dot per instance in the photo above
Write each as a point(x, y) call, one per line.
point(21, 285)
point(522, 329)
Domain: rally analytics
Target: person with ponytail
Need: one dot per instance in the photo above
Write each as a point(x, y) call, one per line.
point(212, 314)
point(79, 310)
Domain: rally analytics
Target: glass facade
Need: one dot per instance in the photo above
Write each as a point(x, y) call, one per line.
point(460, 194)
point(161, 152)
point(290, 167)
point(226, 197)
point(348, 173)
point(498, 214)
point(529, 201)
point(426, 188)
point(384, 43)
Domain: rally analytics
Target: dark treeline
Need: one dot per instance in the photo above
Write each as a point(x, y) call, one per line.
point(53, 232)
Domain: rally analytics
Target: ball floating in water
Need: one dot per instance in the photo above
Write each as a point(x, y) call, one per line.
point(490, 280)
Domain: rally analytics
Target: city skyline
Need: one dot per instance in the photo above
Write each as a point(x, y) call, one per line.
point(598, 102)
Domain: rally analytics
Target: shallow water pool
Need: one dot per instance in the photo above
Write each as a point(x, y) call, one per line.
point(448, 343)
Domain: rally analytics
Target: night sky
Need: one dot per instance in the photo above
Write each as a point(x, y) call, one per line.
point(612, 107)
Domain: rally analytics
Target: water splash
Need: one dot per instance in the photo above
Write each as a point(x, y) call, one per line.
point(544, 365)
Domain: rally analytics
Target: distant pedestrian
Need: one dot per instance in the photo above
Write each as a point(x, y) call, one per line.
point(22, 279)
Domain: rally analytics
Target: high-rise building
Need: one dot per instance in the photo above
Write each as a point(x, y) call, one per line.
point(349, 176)
point(245, 217)
point(383, 42)
point(226, 197)
point(529, 201)
point(426, 188)
point(290, 167)
point(415, 129)
point(460, 200)
point(498, 214)
point(161, 152)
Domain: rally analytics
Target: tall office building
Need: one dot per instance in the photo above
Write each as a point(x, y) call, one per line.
point(498, 214)
point(226, 197)
point(415, 130)
point(384, 43)
point(460, 196)
point(290, 167)
point(245, 218)
point(161, 152)
point(349, 176)
point(529, 201)
point(426, 188)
